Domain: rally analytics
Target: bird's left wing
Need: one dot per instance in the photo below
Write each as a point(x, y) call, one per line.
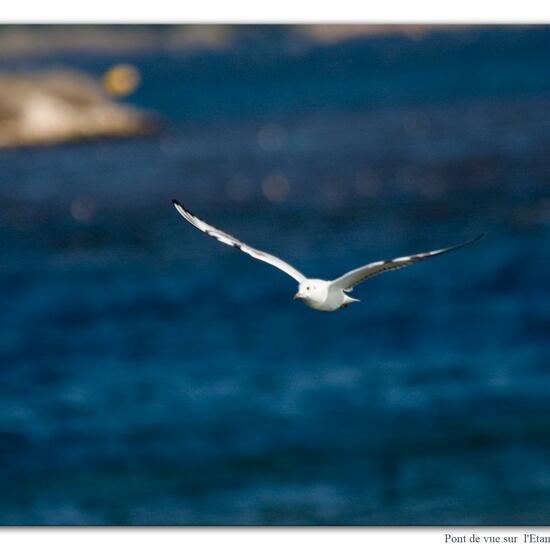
point(356, 276)
point(225, 238)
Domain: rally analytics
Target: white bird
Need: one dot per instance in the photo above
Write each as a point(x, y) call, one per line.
point(317, 293)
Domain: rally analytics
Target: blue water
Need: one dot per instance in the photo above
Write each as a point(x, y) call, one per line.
point(150, 375)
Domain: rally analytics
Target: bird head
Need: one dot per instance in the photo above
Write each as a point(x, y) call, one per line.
point(308, 289)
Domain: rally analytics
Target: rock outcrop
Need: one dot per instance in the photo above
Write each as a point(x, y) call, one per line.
point(58, 106)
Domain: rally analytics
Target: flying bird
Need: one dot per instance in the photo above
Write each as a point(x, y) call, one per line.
point(318, 293)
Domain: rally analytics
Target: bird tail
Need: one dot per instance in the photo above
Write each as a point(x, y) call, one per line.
point(349, 299)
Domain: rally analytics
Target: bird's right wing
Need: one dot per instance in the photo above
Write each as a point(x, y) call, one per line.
point(356, 276)
point(225, 238)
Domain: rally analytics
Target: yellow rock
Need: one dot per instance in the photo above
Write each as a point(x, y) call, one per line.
point(121, 80)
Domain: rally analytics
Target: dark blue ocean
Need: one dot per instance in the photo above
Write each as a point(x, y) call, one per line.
point(150, 375)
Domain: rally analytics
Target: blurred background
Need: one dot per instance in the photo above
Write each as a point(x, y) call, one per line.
point(150, 375)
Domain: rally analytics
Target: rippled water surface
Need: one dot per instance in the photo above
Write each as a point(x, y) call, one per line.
point(149, 375)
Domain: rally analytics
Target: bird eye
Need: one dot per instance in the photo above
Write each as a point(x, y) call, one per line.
point(307, 288)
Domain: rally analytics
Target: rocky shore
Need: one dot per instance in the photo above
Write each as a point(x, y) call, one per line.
point(63, 105)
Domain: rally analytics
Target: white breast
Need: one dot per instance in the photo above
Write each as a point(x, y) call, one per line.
point(326, 299)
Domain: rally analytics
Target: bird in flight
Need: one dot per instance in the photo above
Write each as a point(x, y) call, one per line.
point(318, 293)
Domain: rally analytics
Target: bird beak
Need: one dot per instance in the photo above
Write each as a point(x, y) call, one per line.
point(297, 296)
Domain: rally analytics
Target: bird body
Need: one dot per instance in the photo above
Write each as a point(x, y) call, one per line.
point(322, 295)
point(318, 294)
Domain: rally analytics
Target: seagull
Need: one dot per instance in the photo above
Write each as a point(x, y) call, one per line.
point(318, 293)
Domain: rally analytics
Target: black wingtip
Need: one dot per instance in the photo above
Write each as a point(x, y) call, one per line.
point(471, 241)
point(178, 205)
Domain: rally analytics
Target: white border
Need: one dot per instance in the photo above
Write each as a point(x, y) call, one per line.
point(276, 11)
point(425, 538)
point(271, 11)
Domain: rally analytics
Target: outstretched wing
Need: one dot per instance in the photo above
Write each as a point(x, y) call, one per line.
point(356, 276)
point(235, 243)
